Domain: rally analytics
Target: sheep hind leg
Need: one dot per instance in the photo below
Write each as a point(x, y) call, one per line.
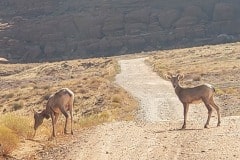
point(71, 115)
point(213, 104)
point(66, 116)
point(209, 115)
point(53, 127)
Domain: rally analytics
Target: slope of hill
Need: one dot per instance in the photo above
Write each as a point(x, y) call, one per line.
point(32, 83)
point(152, 135)
point(25, 87)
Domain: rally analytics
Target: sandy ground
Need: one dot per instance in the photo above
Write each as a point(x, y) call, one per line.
point(155, 134)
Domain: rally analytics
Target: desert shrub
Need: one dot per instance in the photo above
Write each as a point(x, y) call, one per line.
point(46, 87)
point(8, 140)
point(22, 126)
point(95, 119)
point(115, 105)
point(219, 91)
point(9, 95)
point(17, 106)
point(230, 90)
point(116, 98)
point(46, 97)
point(197, 78)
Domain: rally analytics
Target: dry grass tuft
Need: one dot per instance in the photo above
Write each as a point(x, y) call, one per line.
point(95, 119)
point(9, 95)
point(21, 126)
point(8, 141)
point(97, 98)
point(18, 105)
point(117, 98)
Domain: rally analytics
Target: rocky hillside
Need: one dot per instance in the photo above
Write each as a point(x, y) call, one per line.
point(53, 30)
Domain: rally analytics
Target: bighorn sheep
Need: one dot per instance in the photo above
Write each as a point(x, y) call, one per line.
point(60, 102)
point(203, 93)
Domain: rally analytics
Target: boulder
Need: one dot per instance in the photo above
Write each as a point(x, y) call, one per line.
point(3, 60)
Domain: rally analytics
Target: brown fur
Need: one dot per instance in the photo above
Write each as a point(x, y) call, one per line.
point(60, 102)
point(203, 93)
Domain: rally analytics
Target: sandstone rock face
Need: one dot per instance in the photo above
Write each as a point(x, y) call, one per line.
point(224, 12)
point(169, 17)
point(54, 30)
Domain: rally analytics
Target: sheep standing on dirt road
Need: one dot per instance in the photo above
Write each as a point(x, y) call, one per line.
point(203, 93)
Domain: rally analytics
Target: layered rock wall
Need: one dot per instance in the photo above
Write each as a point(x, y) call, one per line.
point(53, 30)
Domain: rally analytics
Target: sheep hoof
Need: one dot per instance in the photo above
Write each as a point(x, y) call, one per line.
point(206, 126)
point(183, 127)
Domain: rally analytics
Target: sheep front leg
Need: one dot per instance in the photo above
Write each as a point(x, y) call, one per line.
point(66, 116)
point(53, 125)
point(185, 108)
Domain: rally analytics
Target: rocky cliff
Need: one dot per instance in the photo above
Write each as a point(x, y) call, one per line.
point(33, 30)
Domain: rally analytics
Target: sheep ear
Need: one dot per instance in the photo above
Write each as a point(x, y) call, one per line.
point(45, 115)
point(168, 76)
point(33, 111)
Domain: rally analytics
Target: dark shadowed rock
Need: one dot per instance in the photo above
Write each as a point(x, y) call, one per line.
point(223, 12)
point(168, 17)
point(114, 23)
point(32, 53)
point(186, 21)
point(135, 28)
point(195, 11)
point(33, 30)
point(138, 16)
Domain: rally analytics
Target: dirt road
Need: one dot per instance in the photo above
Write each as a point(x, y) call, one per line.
point(155, 95)
point(155, 134)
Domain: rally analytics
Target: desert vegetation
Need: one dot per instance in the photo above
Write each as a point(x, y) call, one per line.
point(13, 128)
point(28, 86)
point(218, 65)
